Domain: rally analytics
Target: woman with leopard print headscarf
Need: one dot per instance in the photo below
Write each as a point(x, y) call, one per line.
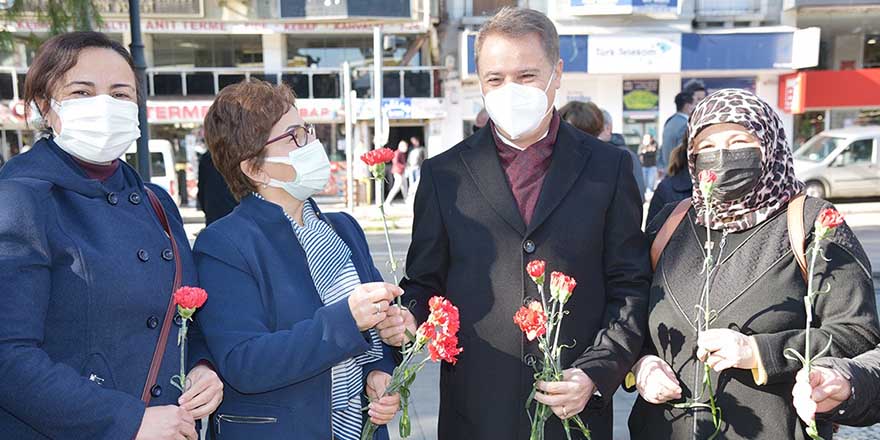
point(756, 288)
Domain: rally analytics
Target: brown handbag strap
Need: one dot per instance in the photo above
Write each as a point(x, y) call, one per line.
point(666, 231)
point(796, 232)
point(159, 352)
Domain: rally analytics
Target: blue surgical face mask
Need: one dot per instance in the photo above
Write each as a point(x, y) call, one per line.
point(312, 168)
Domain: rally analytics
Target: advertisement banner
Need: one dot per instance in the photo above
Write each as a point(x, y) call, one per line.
point(654, 53)
point(641, 95)
point(617, 7)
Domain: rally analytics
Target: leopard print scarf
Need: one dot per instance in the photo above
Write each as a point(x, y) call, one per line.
point(778, 183)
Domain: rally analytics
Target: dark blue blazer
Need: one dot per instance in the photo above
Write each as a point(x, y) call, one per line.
point(85, 277)
point(671, 189)
point(273, 339)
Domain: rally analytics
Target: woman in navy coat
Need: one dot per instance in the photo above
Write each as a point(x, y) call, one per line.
point(86, 268)
point(295, 297)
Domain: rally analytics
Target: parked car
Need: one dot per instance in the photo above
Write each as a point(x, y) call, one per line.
point(162, 170)
point(841, 163)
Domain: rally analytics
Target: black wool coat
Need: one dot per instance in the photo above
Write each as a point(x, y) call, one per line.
point(471, 244)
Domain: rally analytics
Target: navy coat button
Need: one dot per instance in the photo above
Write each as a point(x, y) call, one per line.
point(178, 320)
point(134, 198)
point(167, 255)
point(529, 246)
point(152, 322)
point(143, 255)
point(112, 199)
point(156, 391)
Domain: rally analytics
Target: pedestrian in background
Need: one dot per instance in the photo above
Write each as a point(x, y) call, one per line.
point(414, 159)
point(400, 184)
point(674, 128)
point(617, 140)
point(215, 199)
point(675, 186)
point(648, 158)
point(86, 268)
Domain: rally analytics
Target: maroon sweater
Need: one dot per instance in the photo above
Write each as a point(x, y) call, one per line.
point(526, 169)
point(98, 172)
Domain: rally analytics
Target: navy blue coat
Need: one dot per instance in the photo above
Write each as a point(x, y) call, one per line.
point(86, 275)
point(273, 339)
point(671, 189)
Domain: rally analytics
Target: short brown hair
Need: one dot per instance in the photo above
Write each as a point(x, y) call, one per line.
point(60, 54)
point(516, 23)
point(238, 125)
point(585, 116)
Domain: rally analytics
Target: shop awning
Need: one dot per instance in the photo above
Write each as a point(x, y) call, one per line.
point(826, 89)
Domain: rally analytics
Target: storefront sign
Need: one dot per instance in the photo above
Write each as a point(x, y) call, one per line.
point(120, 7)
point(344, 8)
point(641, 95)
point(791, 97)
point(618, 7)
point(403, 108)
point(634, 53)
point(160, 26)
point(829, 89)
point(180, 112)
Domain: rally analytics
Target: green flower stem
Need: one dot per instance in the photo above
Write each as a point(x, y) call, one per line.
point(183, 330)
point(381, 201)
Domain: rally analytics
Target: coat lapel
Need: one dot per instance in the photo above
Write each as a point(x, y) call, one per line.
point(569, 158)
point(481, 161)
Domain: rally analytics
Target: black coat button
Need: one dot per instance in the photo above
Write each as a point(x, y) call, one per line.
point(529, 246)
point(152, 322)
point(167, 255)
point(143, 255)
point(156, 391)
point(112, 199)
point(178, 320)
point(134, 198)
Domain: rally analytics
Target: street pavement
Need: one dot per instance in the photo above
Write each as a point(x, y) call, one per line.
point(863, 216)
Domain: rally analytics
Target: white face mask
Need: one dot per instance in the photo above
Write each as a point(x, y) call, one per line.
point(517, 109)
point(312, 168)
point(97, 129)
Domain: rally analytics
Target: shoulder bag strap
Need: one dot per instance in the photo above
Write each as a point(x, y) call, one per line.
point(796, 233)
point(159, 352)
point(668, 228)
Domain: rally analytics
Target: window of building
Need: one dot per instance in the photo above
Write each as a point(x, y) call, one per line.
point(331, 51)
point(872, 51)
point(207, 51)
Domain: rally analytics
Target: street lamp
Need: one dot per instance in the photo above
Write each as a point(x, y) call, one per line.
point(140, 70)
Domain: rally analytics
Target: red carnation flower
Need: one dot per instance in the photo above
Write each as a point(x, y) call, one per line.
point(561, 286)
point(440, 331)
point(190, 297)
point(532, 320)
point(708, 176)
point(377, 157)
point(829, 219)
point(536, 269)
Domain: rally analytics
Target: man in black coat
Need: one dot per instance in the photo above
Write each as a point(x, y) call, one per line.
point(844, 391)
point(526, 187)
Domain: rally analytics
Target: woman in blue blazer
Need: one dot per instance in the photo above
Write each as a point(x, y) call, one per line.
point(295, 297)
point(86, 268)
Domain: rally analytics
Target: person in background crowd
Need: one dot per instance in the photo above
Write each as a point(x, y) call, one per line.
point(756, 292)
point(675, 186)
point(698, 91)
point(295, 296)
point(400, 184)
point(481, 120)
point(674, 128)
point(585, 116)
point(843, 391)
point(648, 159)
point(529, 186)
point(617, 140)
point(87, 268)
point(414, 159)
point(215, 199)
point(2, 161)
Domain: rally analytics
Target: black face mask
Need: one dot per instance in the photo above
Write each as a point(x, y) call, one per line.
point(738, 171)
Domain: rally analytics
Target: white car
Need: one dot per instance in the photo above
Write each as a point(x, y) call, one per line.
point(162, 170)
point(841, 163)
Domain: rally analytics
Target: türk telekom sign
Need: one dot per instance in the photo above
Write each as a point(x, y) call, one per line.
point(184, 112)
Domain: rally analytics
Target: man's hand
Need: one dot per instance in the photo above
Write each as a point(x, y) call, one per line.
point(393, 328)
point(825, 390)
point(383, 409)
point(167, 422)
point(722, 349)
point(568, 397)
